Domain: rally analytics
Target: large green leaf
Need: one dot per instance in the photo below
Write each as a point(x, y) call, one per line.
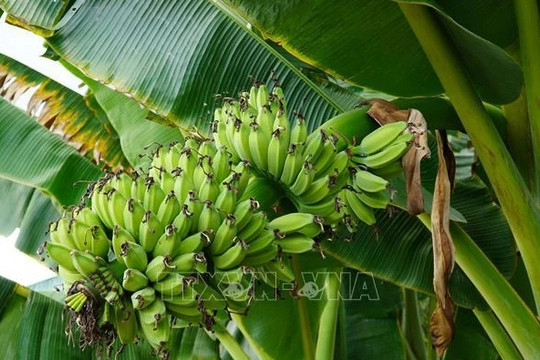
point(370, 325)
point(10, 324)
point(15, 198)
point(76, 119)
point(35, 223)
point(37, 15)
point(174, 56)
point(470, 340)
point(34, 156)
point(374, 47)
point(129, 121)
point(399, 249)
point(43, 330)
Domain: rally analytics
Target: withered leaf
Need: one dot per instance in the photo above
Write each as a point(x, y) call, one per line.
point(412, 163)
point(442, 320)
point(79, 120)
point(384, 112)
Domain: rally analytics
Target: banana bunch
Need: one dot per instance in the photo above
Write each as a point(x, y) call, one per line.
point(309, 168)
point(147, 244)
point(375, 157)
point(320, 174)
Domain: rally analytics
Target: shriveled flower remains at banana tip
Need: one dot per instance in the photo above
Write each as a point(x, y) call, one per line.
point(169, 245)
point(173, 245)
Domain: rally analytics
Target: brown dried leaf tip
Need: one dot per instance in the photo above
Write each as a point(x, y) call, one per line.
point(442, 319)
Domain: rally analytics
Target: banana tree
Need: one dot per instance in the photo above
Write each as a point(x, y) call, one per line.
point(157, 71)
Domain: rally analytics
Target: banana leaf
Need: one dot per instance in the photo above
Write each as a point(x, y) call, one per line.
point(66, 113)
point(35, 157)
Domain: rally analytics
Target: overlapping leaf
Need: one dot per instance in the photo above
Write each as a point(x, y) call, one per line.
point(76, 119)
point(15, 199)
point(374, 47)
point(399, 249)
point(33, 156)
point(37, 15)
point(179, 56)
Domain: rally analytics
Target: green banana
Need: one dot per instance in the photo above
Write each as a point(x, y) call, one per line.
point(60, 254)
point(294, 222)
point(120, 236)
point(158, 268)
point(293, 164)
point(210, 218)
point(258, 146)
point(169, 208)
point(244, 212)
point(366, 181)
point(133, 216)
point(277, 152)
point(296, 243)
point(150, 231)
point(125, 322)
point(358, 208)
point(377, 200)
point(86, 263)
point(171, 285)
point(153, 196)
point(168, 242)
point(134, 280)
point(263, 240)
point(253, 228)
point(261, 257)
point(232, 257)
point(194, 243)
point(134, 255)
point(61, 233)
point(221, 165)
point(318, 190)
point(383, 157)
point(381, 138)
point(226, 200)
point(224, 236)
point(299, 131)
point(143, 297)
point(303, 180)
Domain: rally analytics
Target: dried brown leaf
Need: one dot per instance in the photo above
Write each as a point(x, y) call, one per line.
point(412, 162)
point(442, 320)
point(384, 112)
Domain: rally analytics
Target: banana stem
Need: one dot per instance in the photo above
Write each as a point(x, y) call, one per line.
point(329, 317)
point(515, 316)
point(516, 201)
point(528, 20)
point(229, 343)
point(305, 328)
point(412, 325)
point(505, 347)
